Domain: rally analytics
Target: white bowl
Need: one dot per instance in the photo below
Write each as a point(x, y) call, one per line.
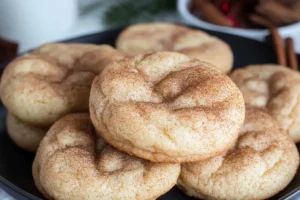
point(292, 30)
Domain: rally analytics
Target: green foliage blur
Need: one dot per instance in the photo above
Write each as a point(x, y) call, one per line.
point(126, 12)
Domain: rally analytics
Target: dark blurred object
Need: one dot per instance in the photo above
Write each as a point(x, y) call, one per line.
point(248, 13)
point(8, 50)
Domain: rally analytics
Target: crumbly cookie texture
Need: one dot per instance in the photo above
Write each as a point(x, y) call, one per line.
point(273, 88)
point(262, 163)
point(53, 80)
point(73, 164)
point(153, 37)
point(23, 135)
point(166, 107)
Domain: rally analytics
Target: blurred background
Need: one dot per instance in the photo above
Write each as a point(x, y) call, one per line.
point(30, 23)
point(33, 22)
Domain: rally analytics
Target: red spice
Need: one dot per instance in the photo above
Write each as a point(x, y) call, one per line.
point(252, 13)
point(225, 7)
point(233, 20)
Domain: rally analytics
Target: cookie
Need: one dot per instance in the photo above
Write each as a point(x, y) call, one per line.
point(73, 164)
point(274, 88)
point(23, 135)
point(153, 37)
point(262, 163)
point(166, 107)
point(53, 80)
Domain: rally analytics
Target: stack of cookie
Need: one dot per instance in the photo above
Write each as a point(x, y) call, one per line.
point(40, 87)
point(156, 119)
point(273, 88)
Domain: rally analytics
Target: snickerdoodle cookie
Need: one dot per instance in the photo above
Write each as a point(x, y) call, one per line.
point(73, 164)
point(53, 80)
point(274, 88)
point(166, 107)
point(153, 37)
point(23, 135)
point(262, 163)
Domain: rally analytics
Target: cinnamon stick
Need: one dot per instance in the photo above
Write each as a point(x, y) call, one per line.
point(262, 21)
point(291, 55)
point(277, 12)
point(211, 13)
point(279, 48)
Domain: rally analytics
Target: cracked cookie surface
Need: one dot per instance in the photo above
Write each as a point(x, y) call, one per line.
point(153, 37)
point(274, 88)
point(166, 107)
point(53, 80)
point(262, 163)
point(72, 163)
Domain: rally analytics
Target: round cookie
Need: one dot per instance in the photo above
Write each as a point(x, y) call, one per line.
point(274, 88)
point(262, 163)
point(25, 136)
point(166, 107)
point(71, 165)
point(153, 37)
point(81, 57)
point(53, 80)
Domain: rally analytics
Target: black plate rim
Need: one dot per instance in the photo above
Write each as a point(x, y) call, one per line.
point(17, 189)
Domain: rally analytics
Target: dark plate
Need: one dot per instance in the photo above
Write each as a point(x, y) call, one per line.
point(15, 164)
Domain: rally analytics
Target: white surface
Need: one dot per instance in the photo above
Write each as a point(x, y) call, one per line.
point(286, 31)
point(33, 22)
point(5, 196)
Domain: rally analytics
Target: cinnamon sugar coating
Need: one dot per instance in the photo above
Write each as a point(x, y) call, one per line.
point(274, 88)
point(153, 37)
point(262, 163)
point(53, 80)
point(166, 107)
point(73, 164)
